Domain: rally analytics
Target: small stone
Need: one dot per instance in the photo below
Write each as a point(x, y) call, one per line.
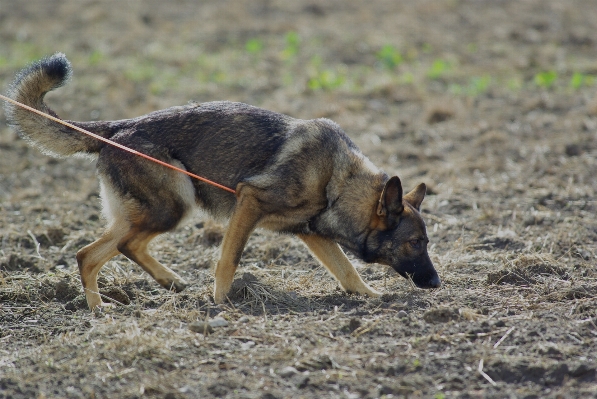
point(301, 381)
point(500, 323)
point(201, 327)
point(529, 220)
point(441, 315)
point(573, 150)
point(439, 115)
point(402, 314)
point(218, 322)
point(549, 349)
point(583, 253)
point(247, 345)
point(353, 324)
point(287, 372)
point(244, 319)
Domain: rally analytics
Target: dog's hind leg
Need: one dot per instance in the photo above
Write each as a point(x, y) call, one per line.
point(333, 258)
point(92, 257)
point(247, 214)
point(140, 200)
point(134, 246)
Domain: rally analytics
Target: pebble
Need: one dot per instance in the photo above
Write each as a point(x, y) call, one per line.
point(218, 322)
point(288, 371)
point(247, 345)
point(402, 314)
point(244, 319)
point(201, 327)
point(353, 324)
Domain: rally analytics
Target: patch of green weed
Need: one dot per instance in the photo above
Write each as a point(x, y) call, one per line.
point(478, 85)
point(389, 56)
point(293, 42)
point(95, 58)
point(438, 69)
point(324, 78)
point(545, 79)
point(254, 46)
point(579, 80)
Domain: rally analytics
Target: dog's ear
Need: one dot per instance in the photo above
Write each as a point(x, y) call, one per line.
point(390, 202)
point(415, 197)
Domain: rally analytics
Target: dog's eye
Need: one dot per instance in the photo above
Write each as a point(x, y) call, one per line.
point(415, 243)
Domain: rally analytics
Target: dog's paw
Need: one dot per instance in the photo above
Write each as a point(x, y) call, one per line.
point(219, 298)
point(178, 286)
point(365, 290)
point(370, 292)
point(373, 293)
point(175, 284)
point(220, 293)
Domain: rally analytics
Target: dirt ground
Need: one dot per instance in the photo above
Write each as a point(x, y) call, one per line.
point(493, 104)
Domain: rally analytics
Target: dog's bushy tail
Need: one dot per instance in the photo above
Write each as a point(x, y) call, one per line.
point(30, 86)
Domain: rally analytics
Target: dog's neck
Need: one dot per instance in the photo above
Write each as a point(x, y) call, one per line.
point(352, 199)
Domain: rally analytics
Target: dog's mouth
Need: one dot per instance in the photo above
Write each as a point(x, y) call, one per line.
point(425, 281)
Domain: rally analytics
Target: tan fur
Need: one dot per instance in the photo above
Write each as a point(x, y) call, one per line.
point(243, 221)
point(336, 262)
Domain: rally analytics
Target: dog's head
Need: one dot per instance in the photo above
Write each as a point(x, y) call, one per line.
point(398, 237)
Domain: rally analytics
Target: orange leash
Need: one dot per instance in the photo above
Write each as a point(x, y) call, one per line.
point(122, 147)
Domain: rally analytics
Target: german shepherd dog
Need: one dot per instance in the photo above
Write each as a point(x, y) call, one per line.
point(303, 177)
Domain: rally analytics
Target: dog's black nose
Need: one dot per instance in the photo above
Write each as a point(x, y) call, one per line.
point(435, 282)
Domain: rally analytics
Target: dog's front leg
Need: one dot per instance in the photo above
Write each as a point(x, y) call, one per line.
point(243, 221)
point(333, 258)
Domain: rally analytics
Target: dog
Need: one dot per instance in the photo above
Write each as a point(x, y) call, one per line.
point(302, 177)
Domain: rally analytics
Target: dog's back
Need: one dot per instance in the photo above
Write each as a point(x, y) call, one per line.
point(229, 143)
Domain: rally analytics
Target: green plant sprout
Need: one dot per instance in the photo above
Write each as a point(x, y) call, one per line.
point(293, 41)
point(438, 69)
point(479, 84)
point(95, 57)
point(546, 79)
point(579, 80)
point(389, 56)
point(254, 46)
point(326, 79)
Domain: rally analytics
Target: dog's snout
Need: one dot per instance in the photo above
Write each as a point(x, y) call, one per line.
point(435, 282)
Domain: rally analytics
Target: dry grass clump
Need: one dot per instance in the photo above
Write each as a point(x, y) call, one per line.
point(249, 292)
point(528, 269)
